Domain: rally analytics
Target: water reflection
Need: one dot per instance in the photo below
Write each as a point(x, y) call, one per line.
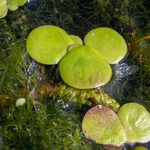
point(124, 70)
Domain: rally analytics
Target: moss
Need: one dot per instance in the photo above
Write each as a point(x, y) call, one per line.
point(42, 126)
point(12, 71)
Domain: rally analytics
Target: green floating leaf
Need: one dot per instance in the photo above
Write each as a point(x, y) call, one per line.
point(102, 125)
point(14, 4)
point(108, 43)
point(73, 46)
point(21, 2)
point(84, 68)
point(136, 121)
point(3, 8)
point(140, 148)
point(48, 44)
point(76, 39)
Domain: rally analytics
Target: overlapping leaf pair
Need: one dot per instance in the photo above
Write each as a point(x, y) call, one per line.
point(130, 125)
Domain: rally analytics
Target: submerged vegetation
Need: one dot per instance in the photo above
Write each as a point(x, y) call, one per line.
point(53, 123)
point(12, 67)
point(41, 126)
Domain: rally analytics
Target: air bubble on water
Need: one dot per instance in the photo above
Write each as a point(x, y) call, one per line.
point(60, 103)
point(37, 107)
point(124, 70)
point(28, 1)
point(66, 106)
point(31, 69)
point(28, 129)
point(39, 79)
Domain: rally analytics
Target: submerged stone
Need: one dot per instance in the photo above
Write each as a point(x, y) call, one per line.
point(20, 101)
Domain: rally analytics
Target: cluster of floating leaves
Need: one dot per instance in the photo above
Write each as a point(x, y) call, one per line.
point(78, 17)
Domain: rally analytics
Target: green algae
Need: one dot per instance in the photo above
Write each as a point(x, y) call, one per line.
point(12, 61)
point(42, 126)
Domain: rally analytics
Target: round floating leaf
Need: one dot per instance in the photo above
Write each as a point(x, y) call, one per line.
point(14, 4)
point(136, 120)
point(109, 43)
point(76, 39)
point(84, 68)
point(48, 44)
point(3, 8)
point(102, 125)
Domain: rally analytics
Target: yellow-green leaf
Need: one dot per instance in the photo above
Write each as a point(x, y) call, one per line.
point(109, 43)
point(136, 121)
point(48, 44)
point(84, 68)
point(102, 125)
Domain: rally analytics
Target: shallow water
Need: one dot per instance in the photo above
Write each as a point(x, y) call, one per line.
point(77, 17)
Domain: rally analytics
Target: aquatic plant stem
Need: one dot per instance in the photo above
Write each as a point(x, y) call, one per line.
point(66, 93)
